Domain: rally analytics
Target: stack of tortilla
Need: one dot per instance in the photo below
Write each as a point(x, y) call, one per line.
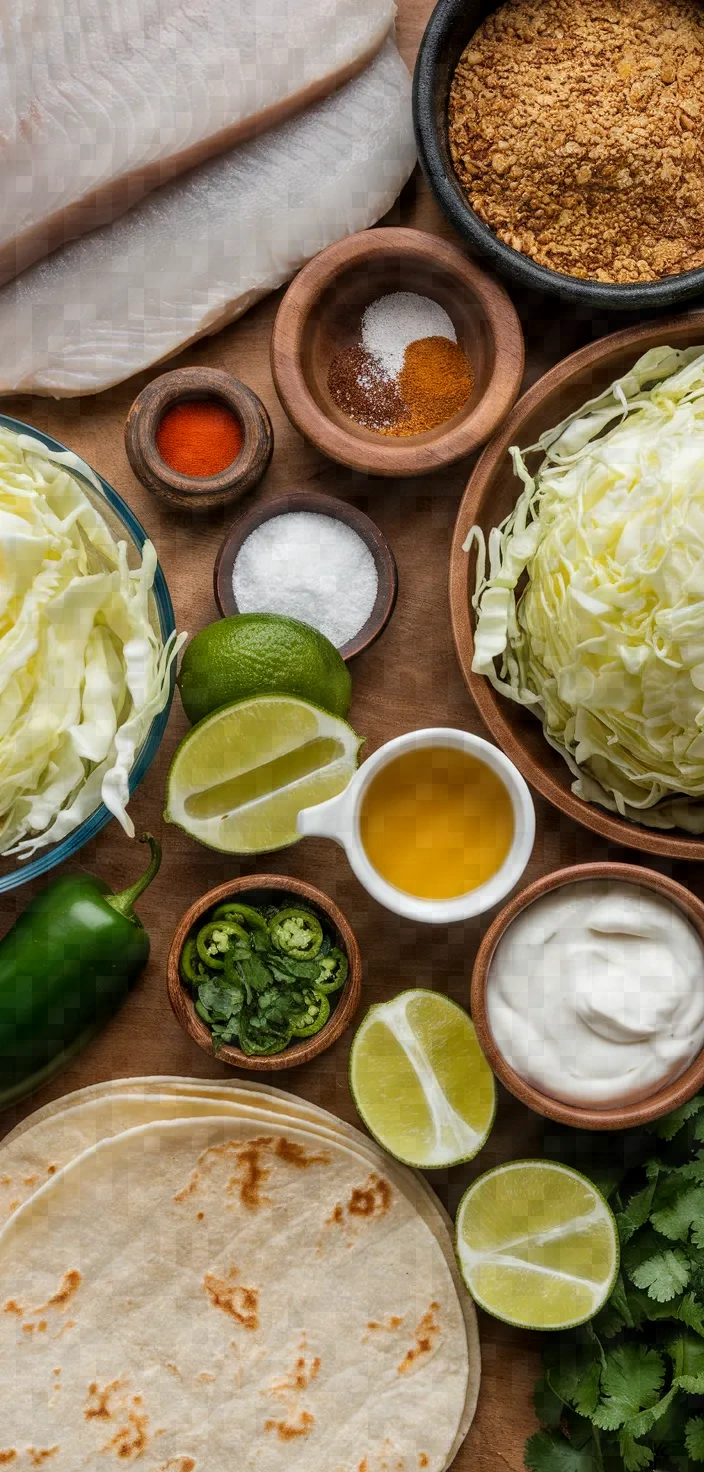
point(199, 1277)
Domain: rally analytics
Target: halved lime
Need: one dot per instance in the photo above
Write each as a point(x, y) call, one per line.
point(420, 1080)
point(537, 1245)
point(240, 778)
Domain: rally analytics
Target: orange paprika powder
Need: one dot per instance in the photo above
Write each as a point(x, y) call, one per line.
point(199, 437)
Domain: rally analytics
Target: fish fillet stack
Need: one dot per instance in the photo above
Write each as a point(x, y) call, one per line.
point(121, 121)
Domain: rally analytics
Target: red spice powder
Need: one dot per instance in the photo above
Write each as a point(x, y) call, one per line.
point(199, 437)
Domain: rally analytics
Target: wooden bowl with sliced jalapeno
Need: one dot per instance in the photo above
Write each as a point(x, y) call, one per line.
point(264, 972)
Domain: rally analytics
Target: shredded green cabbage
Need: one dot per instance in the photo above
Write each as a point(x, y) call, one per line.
point(605, 637)
point(82, 671)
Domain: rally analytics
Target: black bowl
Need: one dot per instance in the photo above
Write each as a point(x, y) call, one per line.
point(451, 25)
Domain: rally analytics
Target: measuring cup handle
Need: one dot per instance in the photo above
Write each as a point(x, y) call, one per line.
point(331, 819)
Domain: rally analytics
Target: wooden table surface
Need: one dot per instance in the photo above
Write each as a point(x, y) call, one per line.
point(408, 680)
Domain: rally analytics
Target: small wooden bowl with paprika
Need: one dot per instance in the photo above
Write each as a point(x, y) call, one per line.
point(198, 438)
point(321, 315)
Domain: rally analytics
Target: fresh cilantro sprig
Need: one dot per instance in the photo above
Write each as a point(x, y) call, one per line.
point(625, 1393)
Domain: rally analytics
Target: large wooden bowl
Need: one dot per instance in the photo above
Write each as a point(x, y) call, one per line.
point(624, 1116)
point(322, 313)
point(270, 887)
point(490, 495)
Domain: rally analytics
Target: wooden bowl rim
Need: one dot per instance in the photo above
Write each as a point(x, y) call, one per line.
point(208, 491)
point(490, 705)
point(305, 1049)
point(359, 448)
point(317, 502)
point(625, 1116)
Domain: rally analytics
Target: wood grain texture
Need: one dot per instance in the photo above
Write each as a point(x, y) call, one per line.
point(321, 314)
point(193, 492)
point(344, 1006)
point(409, 679)
point(319, 504)
point(627, 1116)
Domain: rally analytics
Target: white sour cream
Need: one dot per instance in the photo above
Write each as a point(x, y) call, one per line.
point(595, 993)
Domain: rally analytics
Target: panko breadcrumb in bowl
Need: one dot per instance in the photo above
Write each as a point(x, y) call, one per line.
point(564, 141)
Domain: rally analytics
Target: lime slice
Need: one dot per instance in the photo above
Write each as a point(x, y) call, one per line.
point(240, 778)
point(537, 1245)
point(420, 1081)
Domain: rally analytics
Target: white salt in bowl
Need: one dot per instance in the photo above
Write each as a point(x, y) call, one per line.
point(318, 504)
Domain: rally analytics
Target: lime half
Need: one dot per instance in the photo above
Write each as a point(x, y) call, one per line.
point(240, 778)
point(420, 1080)
point(537, 1245)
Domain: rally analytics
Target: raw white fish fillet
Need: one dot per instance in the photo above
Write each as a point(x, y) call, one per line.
point(104, 100)
point(200, 251)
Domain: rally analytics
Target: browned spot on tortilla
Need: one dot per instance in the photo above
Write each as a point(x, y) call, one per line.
point(13, 1307)
point(336, 1216)
point(177, 1464)
point(51, 1170)
point(200, 1216)
point(28, 1328)
point(250, 1174)
point(241, 1303)
point(29, 1180)
point(422, 1460)
point(13, 1206)
point(56, 1372)
point(67, 1287)
point(393, 1322)
point(70, 1324)
point(6, 1180)
point(304, 1371)
point(295, 1154)
point(174, 1369)
point(206, 1377)
point(41, 1326)
point(131, 1439)
point(289, 1430)
point(363, 1466)
point(38, 1458)
point(426, 1335)
point(371, 1199)
point(98, 1406)
point(7, 1457)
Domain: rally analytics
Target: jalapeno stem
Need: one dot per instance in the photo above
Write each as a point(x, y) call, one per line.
point(127, 898)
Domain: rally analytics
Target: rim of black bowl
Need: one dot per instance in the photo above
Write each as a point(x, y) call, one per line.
point(444, 39)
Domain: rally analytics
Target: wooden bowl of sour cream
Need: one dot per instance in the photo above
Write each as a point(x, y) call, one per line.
point(665, 1096)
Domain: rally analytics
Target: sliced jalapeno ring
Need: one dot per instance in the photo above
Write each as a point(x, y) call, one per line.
point(296, 933)
point(215, 939)
point(334, 970)
point(190, 965)
point(242, 914)
point(315, 1015)
point(261, 1040)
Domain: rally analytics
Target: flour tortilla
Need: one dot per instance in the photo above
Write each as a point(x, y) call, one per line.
point(56, 1134)
point(173, 1257)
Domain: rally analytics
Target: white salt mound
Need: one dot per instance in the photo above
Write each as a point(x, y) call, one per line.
point(310, 567)
point(392, 322)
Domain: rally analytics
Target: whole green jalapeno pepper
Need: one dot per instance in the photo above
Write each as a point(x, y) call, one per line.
point(66, 965)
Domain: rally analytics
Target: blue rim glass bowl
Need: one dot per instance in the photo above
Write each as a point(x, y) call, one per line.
point(124, 526)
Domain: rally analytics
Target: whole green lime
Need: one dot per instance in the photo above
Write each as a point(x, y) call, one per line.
point(261, 654)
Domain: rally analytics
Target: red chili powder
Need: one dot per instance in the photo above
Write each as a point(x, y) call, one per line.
point(199, 437)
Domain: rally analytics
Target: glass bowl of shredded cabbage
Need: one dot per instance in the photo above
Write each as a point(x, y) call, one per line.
point(588, 597)
point(88, 646)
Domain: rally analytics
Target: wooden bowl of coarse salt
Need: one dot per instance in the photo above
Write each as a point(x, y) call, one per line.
point(312, 557)
point(394, 354)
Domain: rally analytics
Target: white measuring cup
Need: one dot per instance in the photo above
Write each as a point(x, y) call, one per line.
point(339, 819)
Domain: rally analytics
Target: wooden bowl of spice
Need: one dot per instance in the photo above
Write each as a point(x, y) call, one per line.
point(199, 438)
point(311, 557)
point(394, 354)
